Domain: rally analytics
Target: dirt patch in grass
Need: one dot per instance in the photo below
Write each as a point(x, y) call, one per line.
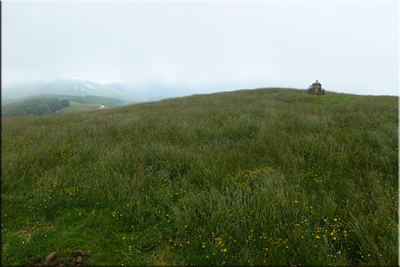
point(160, 257)
point(52, 261)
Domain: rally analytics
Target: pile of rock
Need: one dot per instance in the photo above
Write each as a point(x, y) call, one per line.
point(316, 87)
point(51, 260)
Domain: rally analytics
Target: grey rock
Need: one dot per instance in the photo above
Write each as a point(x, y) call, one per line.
point(79, 259)
point(49, 259)
point(77, 253)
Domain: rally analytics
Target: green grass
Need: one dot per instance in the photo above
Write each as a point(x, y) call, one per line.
point(251, 177)
point(79, 107)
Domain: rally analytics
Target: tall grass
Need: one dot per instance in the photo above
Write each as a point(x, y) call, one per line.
point(252, 177)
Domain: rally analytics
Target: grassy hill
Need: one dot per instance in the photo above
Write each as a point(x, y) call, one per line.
point(40, 106)
point(45, 104)
point(251, 177)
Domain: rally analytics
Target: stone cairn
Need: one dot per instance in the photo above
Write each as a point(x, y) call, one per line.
point(317, 88)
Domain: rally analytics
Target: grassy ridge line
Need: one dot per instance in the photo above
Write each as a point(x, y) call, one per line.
point(268, 176)
point(41, 107)
point(90, 99)
point(115, 100)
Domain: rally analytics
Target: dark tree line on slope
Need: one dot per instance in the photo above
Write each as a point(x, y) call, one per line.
point(40, 106)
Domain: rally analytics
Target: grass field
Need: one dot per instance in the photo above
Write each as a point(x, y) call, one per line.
point(251, 177)
point(79, 107)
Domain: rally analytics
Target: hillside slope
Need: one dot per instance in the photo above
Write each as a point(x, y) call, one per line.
point(252, 177)
point(40, 106)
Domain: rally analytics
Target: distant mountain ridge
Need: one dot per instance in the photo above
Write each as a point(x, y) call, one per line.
point(59, 87)
point(91, 99)
point(77, 88)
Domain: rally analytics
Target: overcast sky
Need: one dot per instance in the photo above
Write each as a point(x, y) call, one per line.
point(349, 46)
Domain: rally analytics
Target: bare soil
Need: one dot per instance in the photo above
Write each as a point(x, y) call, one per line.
point(51, 260)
